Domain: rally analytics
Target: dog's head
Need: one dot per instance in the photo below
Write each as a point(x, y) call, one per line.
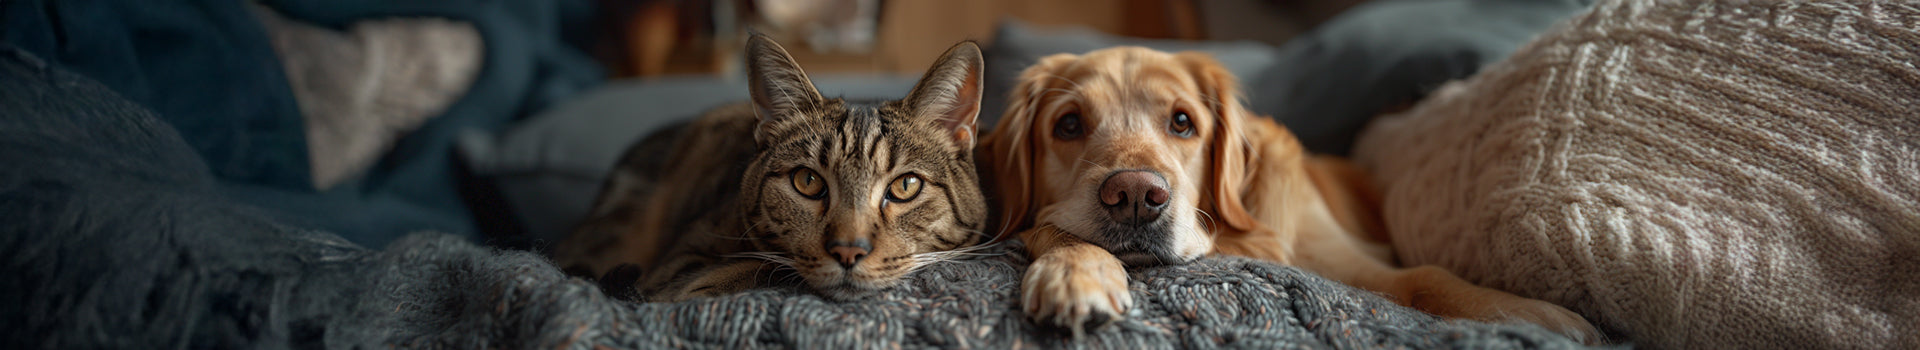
point(1135, 150)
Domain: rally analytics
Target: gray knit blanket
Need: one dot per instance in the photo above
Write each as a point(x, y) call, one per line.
point(518, 300)
point(118, 236)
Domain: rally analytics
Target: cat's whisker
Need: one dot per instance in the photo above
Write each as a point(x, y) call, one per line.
point(773, 257)
point(983, 235)
point(929, 258)
point(968, 249)
point(777, 269)
point(744, 235)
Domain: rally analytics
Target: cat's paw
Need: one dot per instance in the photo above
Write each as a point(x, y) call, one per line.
point(1075, 292)
point(697, 289)
point(717, 281)
point(619, 282)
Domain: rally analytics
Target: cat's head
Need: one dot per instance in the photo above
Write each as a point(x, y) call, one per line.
point(854, 196)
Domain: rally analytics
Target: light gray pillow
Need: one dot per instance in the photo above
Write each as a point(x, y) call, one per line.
point(1726, 175)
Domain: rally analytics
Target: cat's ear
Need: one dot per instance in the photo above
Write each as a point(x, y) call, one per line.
point(951, 92)
point(780, 89)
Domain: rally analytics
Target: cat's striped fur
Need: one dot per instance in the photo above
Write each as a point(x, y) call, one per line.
point(849, 196)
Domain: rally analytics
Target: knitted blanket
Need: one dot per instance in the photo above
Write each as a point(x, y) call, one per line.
point(117, 235)
point(1688, 175)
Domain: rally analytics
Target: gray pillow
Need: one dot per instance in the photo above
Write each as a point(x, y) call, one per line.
point(1334, 79)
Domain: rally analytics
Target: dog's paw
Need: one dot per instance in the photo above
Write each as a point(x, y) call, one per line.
point(1552, 317)
point(1075, 292)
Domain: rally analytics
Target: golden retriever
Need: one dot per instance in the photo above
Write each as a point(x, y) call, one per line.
point(1131, 157)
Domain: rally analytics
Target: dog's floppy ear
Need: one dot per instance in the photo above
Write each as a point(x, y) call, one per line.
point(780, 90)
point(1007, 153)
point(1228, 147)
point(950, 91)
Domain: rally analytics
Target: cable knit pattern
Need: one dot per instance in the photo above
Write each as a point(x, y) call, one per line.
point(1697, 175)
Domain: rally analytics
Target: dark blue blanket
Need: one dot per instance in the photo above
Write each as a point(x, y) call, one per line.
point(205, 67)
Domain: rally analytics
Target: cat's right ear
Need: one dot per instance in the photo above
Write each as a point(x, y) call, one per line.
point(950, 92)
point(780, 89)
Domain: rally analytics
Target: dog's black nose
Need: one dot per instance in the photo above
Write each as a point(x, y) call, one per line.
point(1134, 197)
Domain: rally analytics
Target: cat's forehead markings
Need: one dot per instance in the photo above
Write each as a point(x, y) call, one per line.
point(851, 144)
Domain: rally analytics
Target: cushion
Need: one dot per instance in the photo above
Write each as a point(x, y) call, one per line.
point(1331, 81)
point(1714, 175)
point(360, 90)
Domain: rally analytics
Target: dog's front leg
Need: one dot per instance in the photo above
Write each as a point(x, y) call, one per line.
point(1072, 283)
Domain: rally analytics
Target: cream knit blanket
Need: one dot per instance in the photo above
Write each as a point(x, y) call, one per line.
point(1700, 175)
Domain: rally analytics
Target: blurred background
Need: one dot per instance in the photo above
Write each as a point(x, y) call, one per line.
point(653, 38)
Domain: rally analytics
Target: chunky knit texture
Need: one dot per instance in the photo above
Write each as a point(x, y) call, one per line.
point(1686, 175)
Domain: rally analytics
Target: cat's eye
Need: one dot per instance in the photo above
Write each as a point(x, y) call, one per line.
point(904, 188)
point(1182, 124)
point(808, 183)
point(1068, 127)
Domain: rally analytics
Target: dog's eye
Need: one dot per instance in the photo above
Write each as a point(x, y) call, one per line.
point(1068, 127)
point(1182, 124)
point(904, 188)
point(809, 183)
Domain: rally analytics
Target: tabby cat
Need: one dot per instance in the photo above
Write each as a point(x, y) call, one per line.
point(850, 196)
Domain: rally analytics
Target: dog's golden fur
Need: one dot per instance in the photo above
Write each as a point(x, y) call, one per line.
point(1239, 184)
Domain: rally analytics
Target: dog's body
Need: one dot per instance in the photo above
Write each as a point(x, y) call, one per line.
point(1129, 156)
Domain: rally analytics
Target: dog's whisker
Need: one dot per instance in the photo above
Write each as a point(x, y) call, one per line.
point(1093, 167)
point(1212, 234)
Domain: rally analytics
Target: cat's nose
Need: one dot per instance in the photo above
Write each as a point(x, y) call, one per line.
point(1134, 197)
point(849, 252)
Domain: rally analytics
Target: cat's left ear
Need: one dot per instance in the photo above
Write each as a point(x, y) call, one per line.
point(951, 92)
